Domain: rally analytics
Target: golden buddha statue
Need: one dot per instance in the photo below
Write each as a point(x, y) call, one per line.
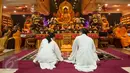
point(66, 17)
point(65, 13)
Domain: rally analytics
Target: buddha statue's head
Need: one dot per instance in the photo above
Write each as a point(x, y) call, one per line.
point(65, 9)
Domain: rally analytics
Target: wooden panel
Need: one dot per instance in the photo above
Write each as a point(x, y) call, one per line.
point(0, 13)
point(114, 1)
point(18, 2)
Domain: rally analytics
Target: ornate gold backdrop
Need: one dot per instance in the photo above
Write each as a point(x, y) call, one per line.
point(63, 5)
point(88, 6)
point(43, 6)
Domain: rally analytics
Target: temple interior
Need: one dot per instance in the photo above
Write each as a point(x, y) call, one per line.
point(24, 23)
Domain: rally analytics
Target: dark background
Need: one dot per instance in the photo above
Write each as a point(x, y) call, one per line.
point(113, 18)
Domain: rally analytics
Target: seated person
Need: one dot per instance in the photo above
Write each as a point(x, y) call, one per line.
point(2, 42)
point(11, 39)
point(121, 33)
point(49, 53)
point(4, 38)
point(17, 38)
point(84, 54)
point(5, 30)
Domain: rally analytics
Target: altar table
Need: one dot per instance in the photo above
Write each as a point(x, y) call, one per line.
point(66, 38)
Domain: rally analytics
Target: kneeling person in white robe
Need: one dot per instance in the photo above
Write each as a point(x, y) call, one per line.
point(83, 54)
point(49, 53)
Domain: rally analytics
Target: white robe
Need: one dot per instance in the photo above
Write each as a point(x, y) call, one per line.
point(84, 54)
point(48, 55)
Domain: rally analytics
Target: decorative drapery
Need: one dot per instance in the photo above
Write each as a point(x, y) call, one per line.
point(88, 6)
point(43, 6)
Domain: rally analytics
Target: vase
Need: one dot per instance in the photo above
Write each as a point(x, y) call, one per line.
point(90, 31)
point(46, 32)
point(75, 31)
point(58, 32)
point(95, 31)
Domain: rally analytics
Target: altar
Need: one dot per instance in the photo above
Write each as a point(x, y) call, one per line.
point(64, 40)
point(65, 23)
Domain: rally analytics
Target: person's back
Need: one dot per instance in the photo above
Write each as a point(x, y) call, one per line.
point(84, 53)
point(49, 53)
point(86, 50)
point(84, 41)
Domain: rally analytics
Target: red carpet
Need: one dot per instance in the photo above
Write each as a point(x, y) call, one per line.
point(105, 66)
point(19, 55)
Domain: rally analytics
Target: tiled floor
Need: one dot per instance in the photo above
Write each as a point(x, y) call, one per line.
point(126, 51)
point(8, 70)
point(6, 53)
point(126, 69)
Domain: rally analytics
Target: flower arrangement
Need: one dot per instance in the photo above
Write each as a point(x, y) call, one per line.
point(36, 22)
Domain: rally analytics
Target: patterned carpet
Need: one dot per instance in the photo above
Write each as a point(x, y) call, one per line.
point(103, 55)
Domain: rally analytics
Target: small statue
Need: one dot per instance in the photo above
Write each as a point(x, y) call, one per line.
point(36, 19)
point(27, 25)
point(105, 24)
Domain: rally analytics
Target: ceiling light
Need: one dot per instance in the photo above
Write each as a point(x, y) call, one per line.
point(26, 6)
point(18, 7)
point(116, 6)
point(15, 11)
point(74, 2)
point(128, 5)
point(24, 15)
point(4, 7)
point(106, 5)
point(118, 9)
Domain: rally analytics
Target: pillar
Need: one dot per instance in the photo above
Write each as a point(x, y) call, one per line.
point(0, 16)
